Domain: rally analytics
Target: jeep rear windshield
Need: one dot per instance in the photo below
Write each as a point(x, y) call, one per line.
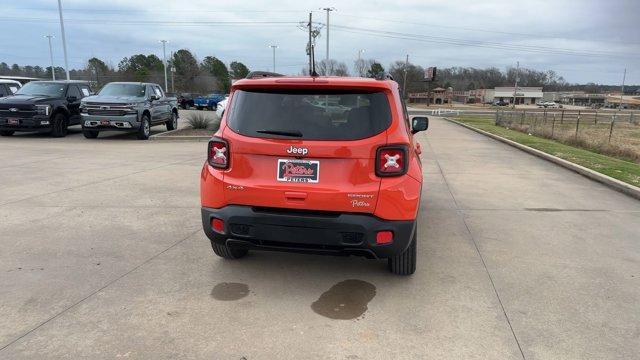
point(135, 90)
point(309, 114)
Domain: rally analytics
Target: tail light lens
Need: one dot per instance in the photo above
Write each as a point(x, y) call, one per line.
point(218, 153)
point(391, 160)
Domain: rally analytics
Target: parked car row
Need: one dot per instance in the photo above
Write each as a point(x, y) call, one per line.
point(549, 104)
point(53, 106)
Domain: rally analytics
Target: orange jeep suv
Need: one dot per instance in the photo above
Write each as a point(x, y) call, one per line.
point(325, 165)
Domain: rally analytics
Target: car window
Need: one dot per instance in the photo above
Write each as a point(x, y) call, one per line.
point(73, 91)
point(315, 114)
point(157, 91)
point(13, 89)
point(85, 90)
point(3, 90)
point(120, 89)
point(42, 88)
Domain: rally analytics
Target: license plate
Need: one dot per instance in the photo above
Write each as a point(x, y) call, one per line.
point(104, 122)
point(294, 170)
point(13, 121)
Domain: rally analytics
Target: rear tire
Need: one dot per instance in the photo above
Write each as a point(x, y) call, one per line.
point(145, 128)
point(90, 134)
point(228, 253)
point(59, 125)
point(173, 123)
point(6, 132)
point(405, 263)
point(199, 107)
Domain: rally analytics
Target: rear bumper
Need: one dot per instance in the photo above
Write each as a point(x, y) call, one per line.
point(125, 122)
point(306, 231)
point(40, 123)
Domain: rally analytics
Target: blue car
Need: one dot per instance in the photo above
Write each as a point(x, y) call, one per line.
point(209, 101)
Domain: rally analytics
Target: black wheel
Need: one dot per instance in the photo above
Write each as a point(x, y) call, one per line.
point(59, 125)
point(210, 108)
point(187, 106)
point(199, 107)
point(405, 263)
point(173, 123)
point(90, 134)
point(6, 132)
point(228, 253)
point(145, 128)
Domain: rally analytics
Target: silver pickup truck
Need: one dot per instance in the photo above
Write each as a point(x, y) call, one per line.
point(128, 106)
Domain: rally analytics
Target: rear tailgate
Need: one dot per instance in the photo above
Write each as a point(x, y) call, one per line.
point(327, 163)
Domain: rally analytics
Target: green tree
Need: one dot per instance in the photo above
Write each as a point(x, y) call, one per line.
point(99, 69)
point(4, 69)
point(217, 68)
point(238, 70)
point(415, 76)
point(374, 70)
point(187, 69)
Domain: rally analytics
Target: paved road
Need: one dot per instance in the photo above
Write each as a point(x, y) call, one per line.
point(103, 257)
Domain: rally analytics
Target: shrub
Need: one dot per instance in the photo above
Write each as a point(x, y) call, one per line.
point(199, 120)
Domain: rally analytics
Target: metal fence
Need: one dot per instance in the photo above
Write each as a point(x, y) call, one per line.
point(588, 128)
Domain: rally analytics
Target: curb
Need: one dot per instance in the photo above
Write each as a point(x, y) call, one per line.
point(615, 184)
point(166, 136)
point(179, 138)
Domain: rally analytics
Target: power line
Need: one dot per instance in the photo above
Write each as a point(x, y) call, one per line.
point(482, 30)
point(481, 44)
point(151, 22)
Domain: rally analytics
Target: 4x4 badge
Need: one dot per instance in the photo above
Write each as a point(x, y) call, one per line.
point(13, 109)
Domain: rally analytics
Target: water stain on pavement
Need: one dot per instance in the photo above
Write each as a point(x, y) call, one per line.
point(229, 291)
point(345, 300)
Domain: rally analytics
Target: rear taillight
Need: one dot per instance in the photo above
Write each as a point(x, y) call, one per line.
point(218, 153)
point(391, 160)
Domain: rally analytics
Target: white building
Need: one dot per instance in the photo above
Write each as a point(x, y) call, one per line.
point(524, 95)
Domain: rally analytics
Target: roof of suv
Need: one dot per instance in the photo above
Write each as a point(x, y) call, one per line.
point(320, 81)
point(62, 81)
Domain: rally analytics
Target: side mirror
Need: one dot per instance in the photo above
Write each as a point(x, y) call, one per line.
point(72, 99)
point(154, 97)
point(419, 123)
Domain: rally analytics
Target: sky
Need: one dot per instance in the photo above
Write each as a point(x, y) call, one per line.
point(583, 41)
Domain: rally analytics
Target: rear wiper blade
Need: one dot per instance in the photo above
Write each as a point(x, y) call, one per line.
point(292, 133)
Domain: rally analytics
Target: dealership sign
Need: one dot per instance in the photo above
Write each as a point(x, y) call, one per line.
point(430, 73)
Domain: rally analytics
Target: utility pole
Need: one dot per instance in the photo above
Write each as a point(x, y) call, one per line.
point(624, 77)
point(64, 40)
point(328, 10)
point(274, 47)
point(515, 87)
point(53, 72)
point(360, 67)
point(173, 72)
point(404, 81)
point(310, 44)
point(164, 61)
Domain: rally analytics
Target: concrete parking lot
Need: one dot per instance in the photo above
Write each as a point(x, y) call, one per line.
point(103, 256)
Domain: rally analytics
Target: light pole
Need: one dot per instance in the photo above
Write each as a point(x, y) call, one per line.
point(164, 62)
point(328, 10)
point(53, 72)
point(515, 87)
point(360, 65)
point(274, 47)
point(64, 40)
point(624, 77)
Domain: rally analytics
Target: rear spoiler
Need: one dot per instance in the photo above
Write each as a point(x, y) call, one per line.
point(262, 74)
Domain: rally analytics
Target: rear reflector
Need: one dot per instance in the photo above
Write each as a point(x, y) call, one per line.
point(217, 225)
point(384, 237)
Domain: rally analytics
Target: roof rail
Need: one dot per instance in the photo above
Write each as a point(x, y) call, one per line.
point(262, 74)
point(384, 76)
